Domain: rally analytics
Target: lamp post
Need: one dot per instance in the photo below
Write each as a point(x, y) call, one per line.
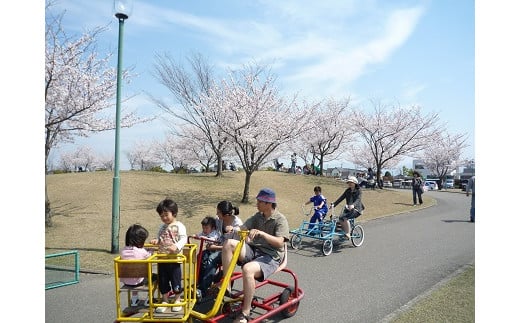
point(122, 10)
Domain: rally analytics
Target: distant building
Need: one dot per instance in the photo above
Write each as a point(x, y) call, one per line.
point(466, 173)
point(342, 173)
point(418, 166)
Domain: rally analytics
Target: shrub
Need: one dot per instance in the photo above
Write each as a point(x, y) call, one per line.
point(157, 169)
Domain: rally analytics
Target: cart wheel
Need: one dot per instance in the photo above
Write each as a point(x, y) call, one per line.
point(284, 298)
point(357, 236)
point(327, 247)
point(296, 241)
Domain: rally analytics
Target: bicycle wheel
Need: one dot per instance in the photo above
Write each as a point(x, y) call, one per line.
point(357, 236)
point(327, 247)
point(296, 241)
point(284, 298)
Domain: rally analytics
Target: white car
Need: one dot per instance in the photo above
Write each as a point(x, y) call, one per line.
point(432, 185)
point(449, 183)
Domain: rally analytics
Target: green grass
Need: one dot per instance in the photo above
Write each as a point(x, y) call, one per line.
point(452, 302)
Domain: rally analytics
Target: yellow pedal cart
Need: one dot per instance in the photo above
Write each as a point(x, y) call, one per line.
point(275, 301)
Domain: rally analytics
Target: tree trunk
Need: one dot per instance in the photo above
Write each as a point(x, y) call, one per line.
point(48, 215)
point(245, 196)
point(219, 166)
point(378, 176)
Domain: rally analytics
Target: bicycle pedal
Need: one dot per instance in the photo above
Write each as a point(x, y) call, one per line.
point(228, 299)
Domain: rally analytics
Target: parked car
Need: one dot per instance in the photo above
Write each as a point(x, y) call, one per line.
point(450, 183)
point(432, 185)
point(387, 184)
point(397, 183)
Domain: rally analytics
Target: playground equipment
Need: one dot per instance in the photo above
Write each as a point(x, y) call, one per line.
point(271, 296)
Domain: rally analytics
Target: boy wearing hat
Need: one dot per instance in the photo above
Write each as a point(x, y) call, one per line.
point(263, 253)
point(353, 205)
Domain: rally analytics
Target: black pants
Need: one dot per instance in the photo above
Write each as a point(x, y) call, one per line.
point(211, 260)
point(170, 277)
point(417, 191)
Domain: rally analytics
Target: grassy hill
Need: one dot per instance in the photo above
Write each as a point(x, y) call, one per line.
point(82, 204)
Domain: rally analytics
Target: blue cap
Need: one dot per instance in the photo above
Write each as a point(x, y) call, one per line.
point(266, 195)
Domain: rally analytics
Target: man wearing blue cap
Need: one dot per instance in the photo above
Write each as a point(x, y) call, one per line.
point(263, 253)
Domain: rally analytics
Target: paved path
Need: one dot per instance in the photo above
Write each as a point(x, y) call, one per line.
point(402, 257)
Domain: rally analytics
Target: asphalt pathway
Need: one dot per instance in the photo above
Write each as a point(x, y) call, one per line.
point(403, 256)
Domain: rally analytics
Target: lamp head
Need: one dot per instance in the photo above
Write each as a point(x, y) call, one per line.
point(123, 8)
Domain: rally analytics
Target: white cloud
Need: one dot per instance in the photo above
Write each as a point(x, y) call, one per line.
point(345, 64)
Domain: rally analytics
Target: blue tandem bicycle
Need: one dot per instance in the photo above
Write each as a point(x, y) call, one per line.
point(327, 231)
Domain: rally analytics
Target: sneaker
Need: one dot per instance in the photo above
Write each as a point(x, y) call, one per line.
point(161, 309)
point(242, 318)
point(199, 294)
point(177, 308)
point(135, 301)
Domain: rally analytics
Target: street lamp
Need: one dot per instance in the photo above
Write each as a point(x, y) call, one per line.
point(122, 10)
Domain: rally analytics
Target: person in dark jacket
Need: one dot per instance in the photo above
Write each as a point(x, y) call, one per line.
point(471, 188)
point(353, 205)
point(417, 188)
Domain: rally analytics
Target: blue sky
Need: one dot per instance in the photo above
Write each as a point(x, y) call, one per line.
point(406, 52)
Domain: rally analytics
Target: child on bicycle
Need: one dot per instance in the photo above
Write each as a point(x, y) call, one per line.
point(320, 207)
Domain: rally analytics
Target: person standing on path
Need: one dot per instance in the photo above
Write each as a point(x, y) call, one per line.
point(471, 187)
point(293, 163)
point(417, 188)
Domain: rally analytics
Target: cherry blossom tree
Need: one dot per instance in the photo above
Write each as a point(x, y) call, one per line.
point(197, 149)
point(330, 132)
point(443, 153)
point(248, 108)
point(80, 87)
point(188, 86)
point(66, 162)
point(181, 151)
point(388, 134)
point(82, 158)
point(106, 161)
point(142, 156)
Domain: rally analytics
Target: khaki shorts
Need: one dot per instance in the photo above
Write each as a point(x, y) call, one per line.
point(267, 264)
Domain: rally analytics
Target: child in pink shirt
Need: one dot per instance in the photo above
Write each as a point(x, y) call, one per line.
point(135, 238)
